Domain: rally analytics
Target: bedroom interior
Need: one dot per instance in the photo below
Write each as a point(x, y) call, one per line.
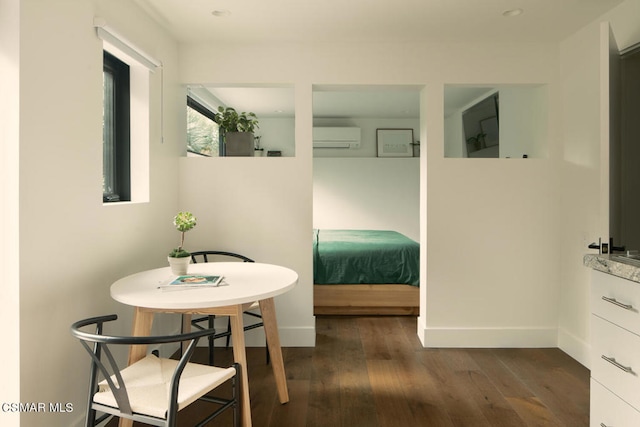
point(356, 192)
point(501, 241)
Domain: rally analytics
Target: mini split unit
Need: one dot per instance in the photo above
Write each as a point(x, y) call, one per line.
point(336, 137)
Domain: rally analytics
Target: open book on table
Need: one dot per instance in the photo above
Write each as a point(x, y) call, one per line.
point(192, 281)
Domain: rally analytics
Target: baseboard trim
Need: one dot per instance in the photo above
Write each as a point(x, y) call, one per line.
point(575, 347)
point(487, 337)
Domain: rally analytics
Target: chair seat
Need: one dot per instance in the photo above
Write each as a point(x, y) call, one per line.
point(251, 306)
point(148, 384)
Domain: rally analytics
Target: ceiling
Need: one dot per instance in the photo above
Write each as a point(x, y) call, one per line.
point(314, 21)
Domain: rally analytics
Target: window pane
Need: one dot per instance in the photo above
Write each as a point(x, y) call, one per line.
point(116, 167)
point(202, 134)
point(108, 135)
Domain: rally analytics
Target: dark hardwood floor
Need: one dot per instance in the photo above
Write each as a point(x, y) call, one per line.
point(373, 372)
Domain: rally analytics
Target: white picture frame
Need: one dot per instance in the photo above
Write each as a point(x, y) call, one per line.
point(394, 142)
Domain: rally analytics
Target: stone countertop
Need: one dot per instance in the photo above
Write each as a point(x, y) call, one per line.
point(615, 265)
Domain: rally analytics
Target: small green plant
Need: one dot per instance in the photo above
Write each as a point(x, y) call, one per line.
point(183, 221)
point(477, 141)
point(230, 120)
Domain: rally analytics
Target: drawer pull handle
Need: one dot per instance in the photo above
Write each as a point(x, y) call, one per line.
point(612, 360)
point(603, 425)
point(618, 303)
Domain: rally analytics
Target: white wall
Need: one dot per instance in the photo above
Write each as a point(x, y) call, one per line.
point(9, 212)
point(71, 246)
point(454, 142)
point(367, 193)
point(492, 228)
point(523, 122)
point(278, 134)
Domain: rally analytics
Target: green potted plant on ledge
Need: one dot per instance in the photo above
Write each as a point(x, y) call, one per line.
point(179, 258)
point(477, 141)
point(237, 131)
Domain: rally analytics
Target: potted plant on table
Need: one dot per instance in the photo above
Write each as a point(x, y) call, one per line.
point(237, 131)
point(179, 258)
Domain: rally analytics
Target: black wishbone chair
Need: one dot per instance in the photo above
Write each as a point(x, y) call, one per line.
point(249, 310)
point(151, 390)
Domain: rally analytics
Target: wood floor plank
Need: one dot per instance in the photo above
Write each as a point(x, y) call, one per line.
point(297, 363)
point(502, 377)
point(357, 405)
point(373, 333)
point(460, 405)
point(422, 392)
point(493, 405)
point(534, 413)
point(324, 390)
point(534, 368)
point(293, 413)
point(391, 404)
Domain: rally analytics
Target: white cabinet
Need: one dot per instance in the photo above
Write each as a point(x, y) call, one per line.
point(609, 410)
point(615, 351)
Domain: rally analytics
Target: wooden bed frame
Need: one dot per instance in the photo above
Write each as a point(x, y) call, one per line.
point(392, 299)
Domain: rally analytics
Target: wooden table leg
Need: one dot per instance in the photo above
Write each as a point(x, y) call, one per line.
point(142, 323)
point(268, 310)
point(240, 356)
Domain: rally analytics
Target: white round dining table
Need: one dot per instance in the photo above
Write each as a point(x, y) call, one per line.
point(243, 283)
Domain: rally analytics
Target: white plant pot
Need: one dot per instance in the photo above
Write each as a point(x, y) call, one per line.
point(179, 266)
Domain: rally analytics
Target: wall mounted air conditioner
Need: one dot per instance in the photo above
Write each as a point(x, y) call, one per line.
point(336, 137)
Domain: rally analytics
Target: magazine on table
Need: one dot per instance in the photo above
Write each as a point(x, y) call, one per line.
point(191, 281)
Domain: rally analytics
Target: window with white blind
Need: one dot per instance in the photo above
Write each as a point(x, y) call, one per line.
point(126, 116)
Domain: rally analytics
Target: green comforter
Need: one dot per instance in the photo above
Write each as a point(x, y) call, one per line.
point(364, 256)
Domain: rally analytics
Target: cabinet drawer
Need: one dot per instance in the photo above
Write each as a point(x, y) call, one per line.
point(616, 299)
point(620, 347)
point(609, 410)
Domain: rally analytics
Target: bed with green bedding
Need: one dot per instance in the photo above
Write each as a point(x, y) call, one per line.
point(367, 270)
point(364, 256)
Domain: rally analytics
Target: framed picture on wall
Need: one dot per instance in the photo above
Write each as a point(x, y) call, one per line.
point(394, 142)
point(489, 127)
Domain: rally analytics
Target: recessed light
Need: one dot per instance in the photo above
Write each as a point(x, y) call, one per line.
point(221, 12)
point(512, 12)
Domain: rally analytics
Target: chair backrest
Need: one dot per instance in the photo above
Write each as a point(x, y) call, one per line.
point(211, 256)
